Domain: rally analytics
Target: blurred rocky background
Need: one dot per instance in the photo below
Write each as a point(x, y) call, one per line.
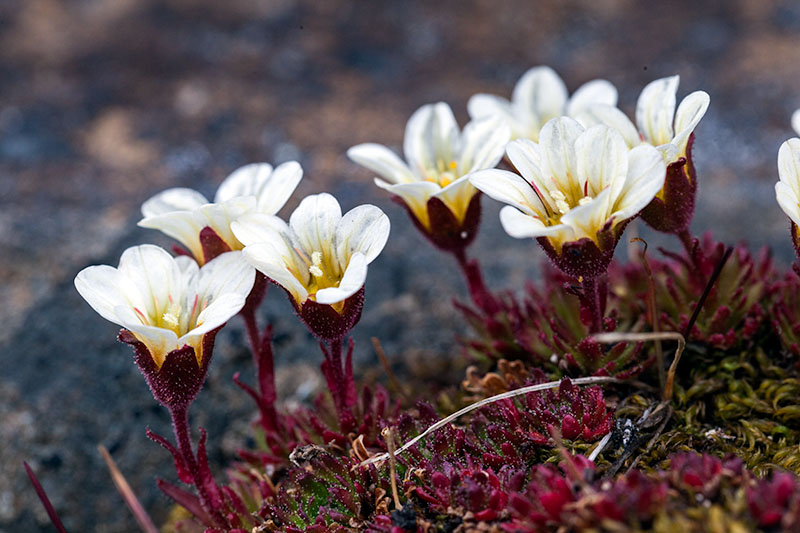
point(106, 102)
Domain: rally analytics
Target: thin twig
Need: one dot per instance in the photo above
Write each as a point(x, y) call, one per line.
point(664, 336)
point(707, 291)
point(141, 516)
point(600, 446)
point(388, 435)
point(652, 311)
point(376, 343)
point(655, 437)
point(594, 380)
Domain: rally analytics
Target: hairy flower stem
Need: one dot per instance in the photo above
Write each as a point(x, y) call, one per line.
point(180, 424)
point(261, 347)
point(480, 294)
point(591, 307)
point(688, 243)
point(339, 377)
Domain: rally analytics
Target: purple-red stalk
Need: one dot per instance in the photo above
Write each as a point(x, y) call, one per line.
point(261, 347)
point(204, 484)
point(339, 377)
point(480, 294)
point(591, 304)
point(48, 506)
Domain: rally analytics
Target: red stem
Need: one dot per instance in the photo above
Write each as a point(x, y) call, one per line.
point(338, 380)
point(180, 424)
point(591, 301)
point(480, 294)
point(688, 243)
point(261, 349)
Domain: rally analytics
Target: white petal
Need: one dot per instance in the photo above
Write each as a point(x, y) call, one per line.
point(105, 288)
point(227, 273)
point(253, 228)
point(269, 260)
point(613, 118)
point(363, 229)
point(382, 161)
point(181, 226)
point(541, 93)
point(796, 121)
point(159, 341)
point(483, 144)
point(522, 226)
point(557, 142)
point(788, 201)
point(646, 173)
point(509, 188)
point(415, 195)
point(689, 113)
point(220, 216)
point(272, 188)
point(592, 93)
point(482, 106)
point(314, 222)
point(354, 277)
point(218, 312)
point(789, 164)
point(457, 196)
point(431, 136)
point(602, 161)
point(655, 110)
point(243, 181)
point(156, 276)
point(176, 199)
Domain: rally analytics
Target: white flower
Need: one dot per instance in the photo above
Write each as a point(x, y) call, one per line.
point(540, 95)
point(182, 213)
point(787, 190)
point(320, 255)
point(439, 159)
point(574, 182)
point(167, 302)
point(658, 123)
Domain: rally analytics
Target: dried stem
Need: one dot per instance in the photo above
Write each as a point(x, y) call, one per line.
point(388, 435)
point(593, 380)
point(141, 516)
point(644, 337)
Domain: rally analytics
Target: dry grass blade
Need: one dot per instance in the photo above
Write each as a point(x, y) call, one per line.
point(141, 516)
point(647, 337)
point(595, 380)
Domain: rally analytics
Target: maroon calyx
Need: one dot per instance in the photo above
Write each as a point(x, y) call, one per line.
point(585, 258)
point(673, 213)
point(325, 322)
point(212, 244)
point(180, 377)
point(446, 232)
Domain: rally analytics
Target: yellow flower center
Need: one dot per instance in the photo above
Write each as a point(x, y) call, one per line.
point(444, 174)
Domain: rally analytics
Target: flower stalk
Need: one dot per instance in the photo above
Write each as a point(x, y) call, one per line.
point(481, 296)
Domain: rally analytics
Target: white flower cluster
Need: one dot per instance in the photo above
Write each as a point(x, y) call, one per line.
point(580, 168)
point(169, 303)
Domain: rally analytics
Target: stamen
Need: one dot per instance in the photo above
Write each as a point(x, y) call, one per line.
point(314, 269)
point(141, 316)
point(453, 165)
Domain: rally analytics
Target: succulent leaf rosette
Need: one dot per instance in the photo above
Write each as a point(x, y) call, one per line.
point(433, 182)
point(539, 96)
point(670, 130)
point(575, 192)
point(320, 258)
point(203, 227)
point(171, 309)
